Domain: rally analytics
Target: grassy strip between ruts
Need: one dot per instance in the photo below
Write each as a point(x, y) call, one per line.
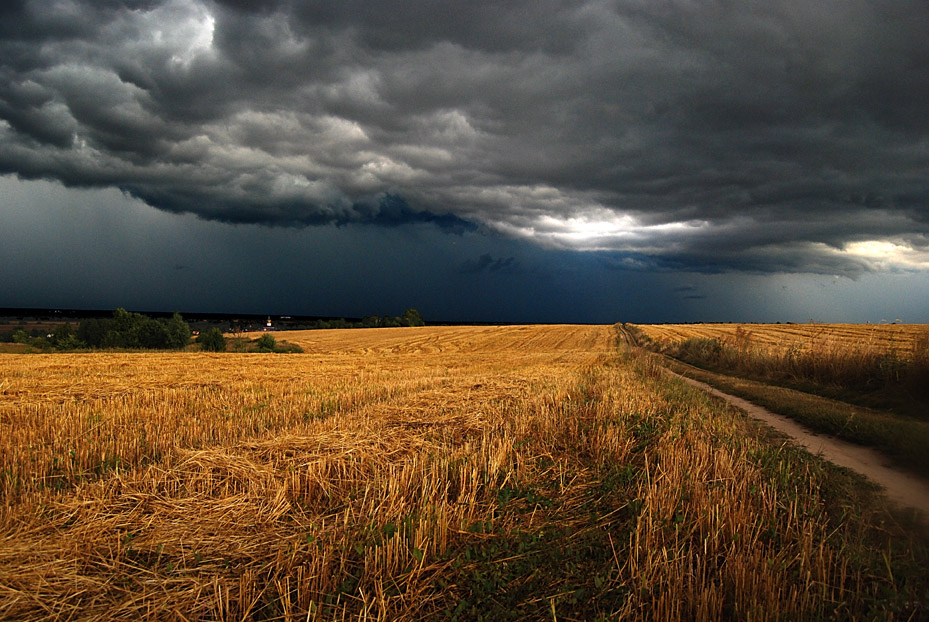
point(902, 440)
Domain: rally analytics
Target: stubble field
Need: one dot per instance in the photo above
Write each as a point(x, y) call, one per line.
point(883, 338)
point(440, 473)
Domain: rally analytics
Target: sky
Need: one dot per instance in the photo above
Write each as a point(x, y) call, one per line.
point(523, 161)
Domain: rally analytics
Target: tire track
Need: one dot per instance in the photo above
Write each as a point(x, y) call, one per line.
point(903, 488)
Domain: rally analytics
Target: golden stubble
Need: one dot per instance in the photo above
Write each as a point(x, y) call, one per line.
point(341, 482)
point(899, 339)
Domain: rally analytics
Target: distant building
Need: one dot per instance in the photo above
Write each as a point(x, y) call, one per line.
point(268, 325)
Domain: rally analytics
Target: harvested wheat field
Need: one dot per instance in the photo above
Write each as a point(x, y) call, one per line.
point(447, 473)
point(884, 338)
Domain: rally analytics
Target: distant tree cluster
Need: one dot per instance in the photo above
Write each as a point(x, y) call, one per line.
point(134, 330)
point(137, 331)
point(62, 338)
point(411, 317)
point(123, 330)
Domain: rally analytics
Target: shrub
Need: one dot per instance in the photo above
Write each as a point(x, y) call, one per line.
point(266, 343)
point(149, 333)
point(212, 340)
point(63, 338)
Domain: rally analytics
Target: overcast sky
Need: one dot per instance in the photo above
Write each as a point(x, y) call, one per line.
point(634, 160)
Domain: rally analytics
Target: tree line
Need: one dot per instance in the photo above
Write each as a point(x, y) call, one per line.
point(410, 317)
point(135, 331)
point(124, 330)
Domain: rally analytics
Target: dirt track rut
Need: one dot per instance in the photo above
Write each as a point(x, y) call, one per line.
point(903, 488)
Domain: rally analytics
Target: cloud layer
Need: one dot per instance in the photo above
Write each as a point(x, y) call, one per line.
point(759, 136)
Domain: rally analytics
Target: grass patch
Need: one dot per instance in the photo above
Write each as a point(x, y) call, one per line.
point(902, 440)
point(868, 374)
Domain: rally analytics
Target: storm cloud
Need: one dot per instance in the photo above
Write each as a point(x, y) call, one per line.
point(486, 263)
point(759, 136)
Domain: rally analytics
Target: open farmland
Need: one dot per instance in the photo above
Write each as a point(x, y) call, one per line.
point(883, 366)
point(421, 473)
point(866, 384)
point(884, 338)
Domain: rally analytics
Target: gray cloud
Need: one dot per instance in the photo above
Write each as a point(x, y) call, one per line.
point(708, 137)
point(486, 263)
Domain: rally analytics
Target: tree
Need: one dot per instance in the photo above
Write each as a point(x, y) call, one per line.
point(63, 338)
point(371, 321)
point(212, 340)
point(92, 331)
point(149, 333)
point(178, 331)
point(123, 331)
point(412, 318)
point(134, 330)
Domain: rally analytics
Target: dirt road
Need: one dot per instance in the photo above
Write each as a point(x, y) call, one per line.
point(903, 488)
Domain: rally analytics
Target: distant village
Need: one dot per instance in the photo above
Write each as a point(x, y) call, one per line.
point(42, 323)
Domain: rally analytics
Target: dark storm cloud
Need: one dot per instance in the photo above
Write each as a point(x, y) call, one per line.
point(710, 136)
point(486, 263)
point(689, 292)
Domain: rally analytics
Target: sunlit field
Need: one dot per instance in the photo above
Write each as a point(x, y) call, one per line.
point(447, 473)
point(887, 364)
point(899, 338)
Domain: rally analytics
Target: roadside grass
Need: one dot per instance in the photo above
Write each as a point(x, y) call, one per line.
point(529, 479)
point(857, 517)
point(858, 365)
point(903, 440)
point(818, 387)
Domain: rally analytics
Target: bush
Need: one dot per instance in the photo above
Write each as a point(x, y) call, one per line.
point(266, 343)
point(149, 333)
point(288, 348)
point(35, 340)
point(63, 338)
point(212, 340)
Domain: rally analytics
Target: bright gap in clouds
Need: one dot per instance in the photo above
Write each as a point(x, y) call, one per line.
point(190, 29)
point(889, 255)
point(601, 229)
